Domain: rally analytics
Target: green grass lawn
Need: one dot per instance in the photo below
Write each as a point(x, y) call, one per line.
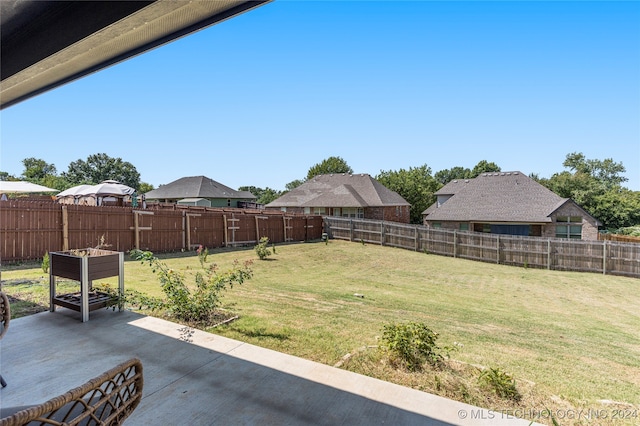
point(570, 340)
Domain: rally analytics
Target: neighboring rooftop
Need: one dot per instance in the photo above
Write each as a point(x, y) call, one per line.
point(196, 187)
point(495, 197)
point(340, 190)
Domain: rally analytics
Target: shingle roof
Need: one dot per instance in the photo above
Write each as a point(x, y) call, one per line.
point(196, 187)
point(340, 190)
point(496, 197)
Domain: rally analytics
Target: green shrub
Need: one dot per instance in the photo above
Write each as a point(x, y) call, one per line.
point(412, 344)
point(202, 252)
point(45, 263)
point(195, 304)
point(262, 248)
point(632, 231)
point(503, 384)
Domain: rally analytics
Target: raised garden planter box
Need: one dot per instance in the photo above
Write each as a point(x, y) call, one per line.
point(84, 265)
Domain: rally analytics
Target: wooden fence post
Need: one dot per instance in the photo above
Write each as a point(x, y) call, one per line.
point(604, 257)
point(498, 249)
point(549, 255)
point(188, 230)
point(306, 228)
point(189, 216)
point(383, 235)
point(258, 226)
point(427, 238)
point(286, 224)
point(226, 232)
point(257, 230)
point(284, 228)
point(184, 236)
point(137, 228)
point(455, 243)
point(65, 228)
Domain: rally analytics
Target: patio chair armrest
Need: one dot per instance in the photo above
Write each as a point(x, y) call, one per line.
point(107, 399)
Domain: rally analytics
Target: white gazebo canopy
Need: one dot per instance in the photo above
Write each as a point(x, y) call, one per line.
point(22, 187)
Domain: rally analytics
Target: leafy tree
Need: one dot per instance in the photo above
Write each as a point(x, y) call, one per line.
point(484, 167)
point(144, 187)
point(57, 182)
point(618, 209)
point(268, 195)
point(415, 185)
point(37, 170)
point(263, 196)
point(293, 184)
point(100, 167)
point(606, 171)
point(596, 185)
point(328, 166)
point(447, 175)
point(5, 176)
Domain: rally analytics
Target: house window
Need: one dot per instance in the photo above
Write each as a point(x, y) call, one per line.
point(319, 210)
point(353, 212)
point(336, 211)
point(569, 227)
point(307, 210)
point(486, 227)
point(464, 226)
point(569, 219)
point(436, 225)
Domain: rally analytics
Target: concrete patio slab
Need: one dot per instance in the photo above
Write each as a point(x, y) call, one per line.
point(197, 378)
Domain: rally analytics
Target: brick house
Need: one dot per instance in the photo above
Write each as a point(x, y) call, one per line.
point(345, 195)
point(509, 203)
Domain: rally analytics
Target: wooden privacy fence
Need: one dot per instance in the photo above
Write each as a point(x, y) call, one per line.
point(605, 257)
point(619, 238)
point(29, 229)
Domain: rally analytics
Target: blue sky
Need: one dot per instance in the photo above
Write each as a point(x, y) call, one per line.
point(259, 99)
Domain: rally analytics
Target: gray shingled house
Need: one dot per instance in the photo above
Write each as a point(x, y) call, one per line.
point(200, 191)
point(509, 203)
point(345, 195)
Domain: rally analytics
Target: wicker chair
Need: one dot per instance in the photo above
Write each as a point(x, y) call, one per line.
point(5, 317)
point(108, 399)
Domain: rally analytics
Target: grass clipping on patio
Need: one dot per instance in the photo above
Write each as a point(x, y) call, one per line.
point(567, 340)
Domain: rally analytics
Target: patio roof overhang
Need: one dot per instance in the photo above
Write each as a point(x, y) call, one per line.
point(45, 44)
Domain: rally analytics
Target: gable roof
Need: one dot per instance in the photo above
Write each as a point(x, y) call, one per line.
point(196, 187)
point(340, 190)
point(496, 197)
